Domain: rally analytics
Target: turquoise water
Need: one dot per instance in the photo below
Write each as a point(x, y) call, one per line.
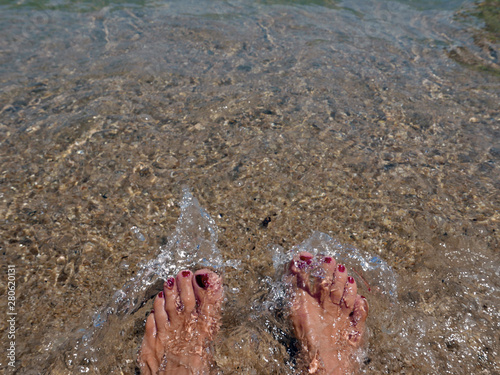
point(369, 128)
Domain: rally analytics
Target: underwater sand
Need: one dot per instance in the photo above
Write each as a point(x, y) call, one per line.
point(375, 123)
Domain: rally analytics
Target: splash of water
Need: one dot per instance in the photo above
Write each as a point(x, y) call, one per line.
point(375, 279)
point(193, 245)
point(373, 275)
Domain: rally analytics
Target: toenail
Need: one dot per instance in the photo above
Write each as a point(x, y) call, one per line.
point(301, 265)
point(350, 279)
point(160, 295)
point(202, 280)
point(363, 297)
point(341, 268)
point(306, 259)
point(170, 282)
point(328, 259)
point(152, 311)
point(186, 273)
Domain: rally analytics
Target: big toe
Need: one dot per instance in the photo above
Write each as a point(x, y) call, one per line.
point(300, 262)
point(300, 269)
point(208, 290)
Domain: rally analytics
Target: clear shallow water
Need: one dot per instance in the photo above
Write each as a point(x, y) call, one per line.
point(193, 245)
point(375, 123)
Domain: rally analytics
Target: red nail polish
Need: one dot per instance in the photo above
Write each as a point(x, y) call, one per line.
point(350, 279)
point(202, 280)
point(186, 273)
point(341, 268)
point(363, 297)
point(328, 259)
point(306, 259)
point(160, 295)
point(152, 311)
point(170, 282)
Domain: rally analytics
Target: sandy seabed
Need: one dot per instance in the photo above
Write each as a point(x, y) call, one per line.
point(283, 121)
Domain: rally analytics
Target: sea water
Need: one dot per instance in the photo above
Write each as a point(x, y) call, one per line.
point(193, 245)
point(373, 122)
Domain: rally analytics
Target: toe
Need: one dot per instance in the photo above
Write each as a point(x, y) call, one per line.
point(350, 293)
point(359, 315)
point(160, 315)
point(300, 262)
point(329, 266)
point(186, 293)
point(208, 290)
point(299, 268)
point(360, 312)
point(171, 301)
point(147, 359)
point(150, 334)
point(323, 284)
point(338, 285)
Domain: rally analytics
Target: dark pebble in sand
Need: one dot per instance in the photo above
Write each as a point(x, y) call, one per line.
point(266, 222)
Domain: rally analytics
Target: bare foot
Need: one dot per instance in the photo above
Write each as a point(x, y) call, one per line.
point(327, 314)
point(182, 325)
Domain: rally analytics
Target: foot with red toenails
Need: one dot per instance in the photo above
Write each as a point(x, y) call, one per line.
point(182, 325)
point(327, 314)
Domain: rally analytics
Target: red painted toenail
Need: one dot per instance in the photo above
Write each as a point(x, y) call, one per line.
point(301, 265)
point(152, 311)
point(170, 282)
point(341, 268)
point(160, 295)
point(186, 273)
point(306, 259)
point(328, 259)
point(202, 280)
point(363, 297)
point(350, 279)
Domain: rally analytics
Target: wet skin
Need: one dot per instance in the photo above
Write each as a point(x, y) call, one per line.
point(184, 321)
point(327, 314)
